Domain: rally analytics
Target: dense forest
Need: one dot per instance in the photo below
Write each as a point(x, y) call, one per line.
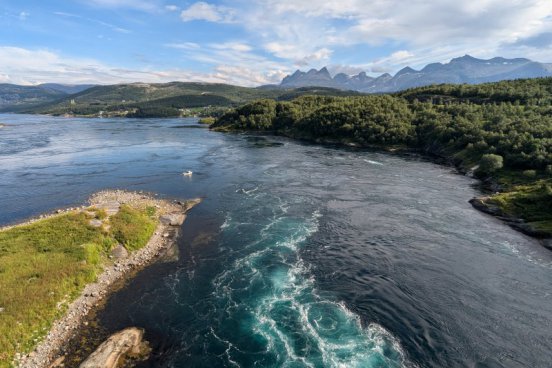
point(500, 131)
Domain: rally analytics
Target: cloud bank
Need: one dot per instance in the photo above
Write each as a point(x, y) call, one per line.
point(252, 43)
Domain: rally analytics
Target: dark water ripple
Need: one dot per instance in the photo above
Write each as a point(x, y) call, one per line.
point(301, 255)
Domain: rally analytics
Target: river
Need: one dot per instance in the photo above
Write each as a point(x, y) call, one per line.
point(300, 255)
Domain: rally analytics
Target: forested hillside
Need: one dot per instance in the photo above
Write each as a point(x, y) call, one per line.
point(500, 131)
point(163, 99)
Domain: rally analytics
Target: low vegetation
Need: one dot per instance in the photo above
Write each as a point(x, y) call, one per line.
point(500, 131)
point(132, 227)
point(46, 264)
point(207, 120)
point(532, 202)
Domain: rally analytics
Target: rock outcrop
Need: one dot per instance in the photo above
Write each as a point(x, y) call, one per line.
point(119, 252)
point(122, 345)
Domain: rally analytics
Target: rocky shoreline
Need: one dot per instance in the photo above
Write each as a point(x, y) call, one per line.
point(121, 267)
point(479, 203)
point(483, 204)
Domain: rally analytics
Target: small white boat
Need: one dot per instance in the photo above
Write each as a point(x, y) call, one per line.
point(187, 173)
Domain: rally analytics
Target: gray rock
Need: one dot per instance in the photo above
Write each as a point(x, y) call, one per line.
point(189, 204)
point(111, 207)
point(128, 342)
point(481, 204)
point(95, 223)
point(119, 252)
point(89, 213)
point(173, 219)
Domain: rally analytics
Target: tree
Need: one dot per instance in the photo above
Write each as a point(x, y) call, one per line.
point(490, 162)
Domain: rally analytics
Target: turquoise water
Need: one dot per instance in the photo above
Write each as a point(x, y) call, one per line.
point(270, 290)
point(300, 255)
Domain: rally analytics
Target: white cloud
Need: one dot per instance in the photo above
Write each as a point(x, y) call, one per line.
point(308, 34)
point(30, 67)
point(97, 21)
point(278, 35)
point(401, 55)
point(23, 15)
point(172, 8)
point(208, 12)
point(183, 45)
point(250, 68)
point(234, 46)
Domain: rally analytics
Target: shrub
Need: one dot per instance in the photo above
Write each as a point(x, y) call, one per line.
point(489, 163)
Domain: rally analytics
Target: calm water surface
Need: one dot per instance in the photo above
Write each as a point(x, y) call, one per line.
point(300, 255)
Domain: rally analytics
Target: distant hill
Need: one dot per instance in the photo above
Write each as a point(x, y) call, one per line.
point(13, 96)
point(67, 88)
point(466, 69)
point(162, 99)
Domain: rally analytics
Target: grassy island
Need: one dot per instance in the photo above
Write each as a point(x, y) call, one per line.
point(501, 132)
point(44, 265)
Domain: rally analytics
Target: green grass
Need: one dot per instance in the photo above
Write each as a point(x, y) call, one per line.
point(531, 202)
point(132, 228)
point(45, 265)
point(207, 120)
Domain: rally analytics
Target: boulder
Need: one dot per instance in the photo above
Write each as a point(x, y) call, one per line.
point(89, 213)
point(58, 363)
point(111, 207)
point(119, 346)
point(173, 219)
point(189, 204)
point(482, 205)
point(119, 252)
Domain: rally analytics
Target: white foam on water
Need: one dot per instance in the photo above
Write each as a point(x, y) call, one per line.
point(299, 327)
point(226, 222)
point(373, 162)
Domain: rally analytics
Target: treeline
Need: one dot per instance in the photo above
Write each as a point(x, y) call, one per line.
point(512, 121)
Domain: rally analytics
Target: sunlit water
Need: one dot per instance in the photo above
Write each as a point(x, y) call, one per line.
point(300, 255)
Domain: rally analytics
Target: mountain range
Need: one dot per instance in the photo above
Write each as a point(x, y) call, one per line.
point(465, 69)
point(88, 99)
point(13, 95)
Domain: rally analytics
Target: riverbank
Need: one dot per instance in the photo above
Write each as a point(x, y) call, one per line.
point(122, 232)
point(521, 202)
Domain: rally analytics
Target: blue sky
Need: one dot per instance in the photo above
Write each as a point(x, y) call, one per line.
point(256, 42)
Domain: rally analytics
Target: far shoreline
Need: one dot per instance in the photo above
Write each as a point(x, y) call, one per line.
point(486, 185)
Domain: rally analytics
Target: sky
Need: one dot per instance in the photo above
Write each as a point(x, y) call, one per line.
point(252, 43)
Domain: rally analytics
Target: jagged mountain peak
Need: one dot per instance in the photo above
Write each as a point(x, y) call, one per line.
point(324, 71)
point(465, 59)
point(464, 69)
point(406, 70)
